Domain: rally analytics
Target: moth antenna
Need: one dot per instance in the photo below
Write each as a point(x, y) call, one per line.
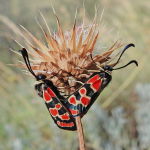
point(132, 61)
point(129, 45)
point(27, 62)
point(95, 63)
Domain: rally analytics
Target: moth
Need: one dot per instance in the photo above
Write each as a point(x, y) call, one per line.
point(82, 99)
point(78, 103)
point(52, 98)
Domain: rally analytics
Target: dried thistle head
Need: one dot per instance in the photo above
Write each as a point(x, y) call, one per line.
point(68, 54)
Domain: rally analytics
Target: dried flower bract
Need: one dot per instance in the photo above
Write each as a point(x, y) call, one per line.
point(68, 54)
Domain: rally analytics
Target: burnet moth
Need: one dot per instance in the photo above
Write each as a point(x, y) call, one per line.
point(82, 99)
point(52, 98)
point(64, 110)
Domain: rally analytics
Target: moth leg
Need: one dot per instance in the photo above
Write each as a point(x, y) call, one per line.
point(65, 87)
point(54, 74)
point(87, 70)
point(78, 81)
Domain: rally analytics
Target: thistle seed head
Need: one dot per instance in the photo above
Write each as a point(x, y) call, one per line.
point(69, 54)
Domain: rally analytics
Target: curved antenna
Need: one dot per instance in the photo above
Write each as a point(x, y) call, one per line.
point(95, 63)
point(26, 59)
point(132, 61)
point(54, 74)
point(129, 45)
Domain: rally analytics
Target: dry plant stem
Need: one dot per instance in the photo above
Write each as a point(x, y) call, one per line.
point(80, 133)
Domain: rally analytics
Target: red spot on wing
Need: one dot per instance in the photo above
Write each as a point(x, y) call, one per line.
point(47, 96)
point(58, 106)
point(93, 79)
point(72, 100)
point(65, 117)
point(74, 112)
point(85, 101)
point(97, 84)
point(50, 92)
point(53, 112)
point(63, 124)
point(82, 91)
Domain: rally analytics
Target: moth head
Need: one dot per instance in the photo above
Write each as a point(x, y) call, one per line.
point(25, 56)
point(108, 69)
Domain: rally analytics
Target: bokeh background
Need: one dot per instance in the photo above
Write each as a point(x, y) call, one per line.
point(118, 120)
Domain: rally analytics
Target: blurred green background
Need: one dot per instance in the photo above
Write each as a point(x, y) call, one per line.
point(118, 120)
